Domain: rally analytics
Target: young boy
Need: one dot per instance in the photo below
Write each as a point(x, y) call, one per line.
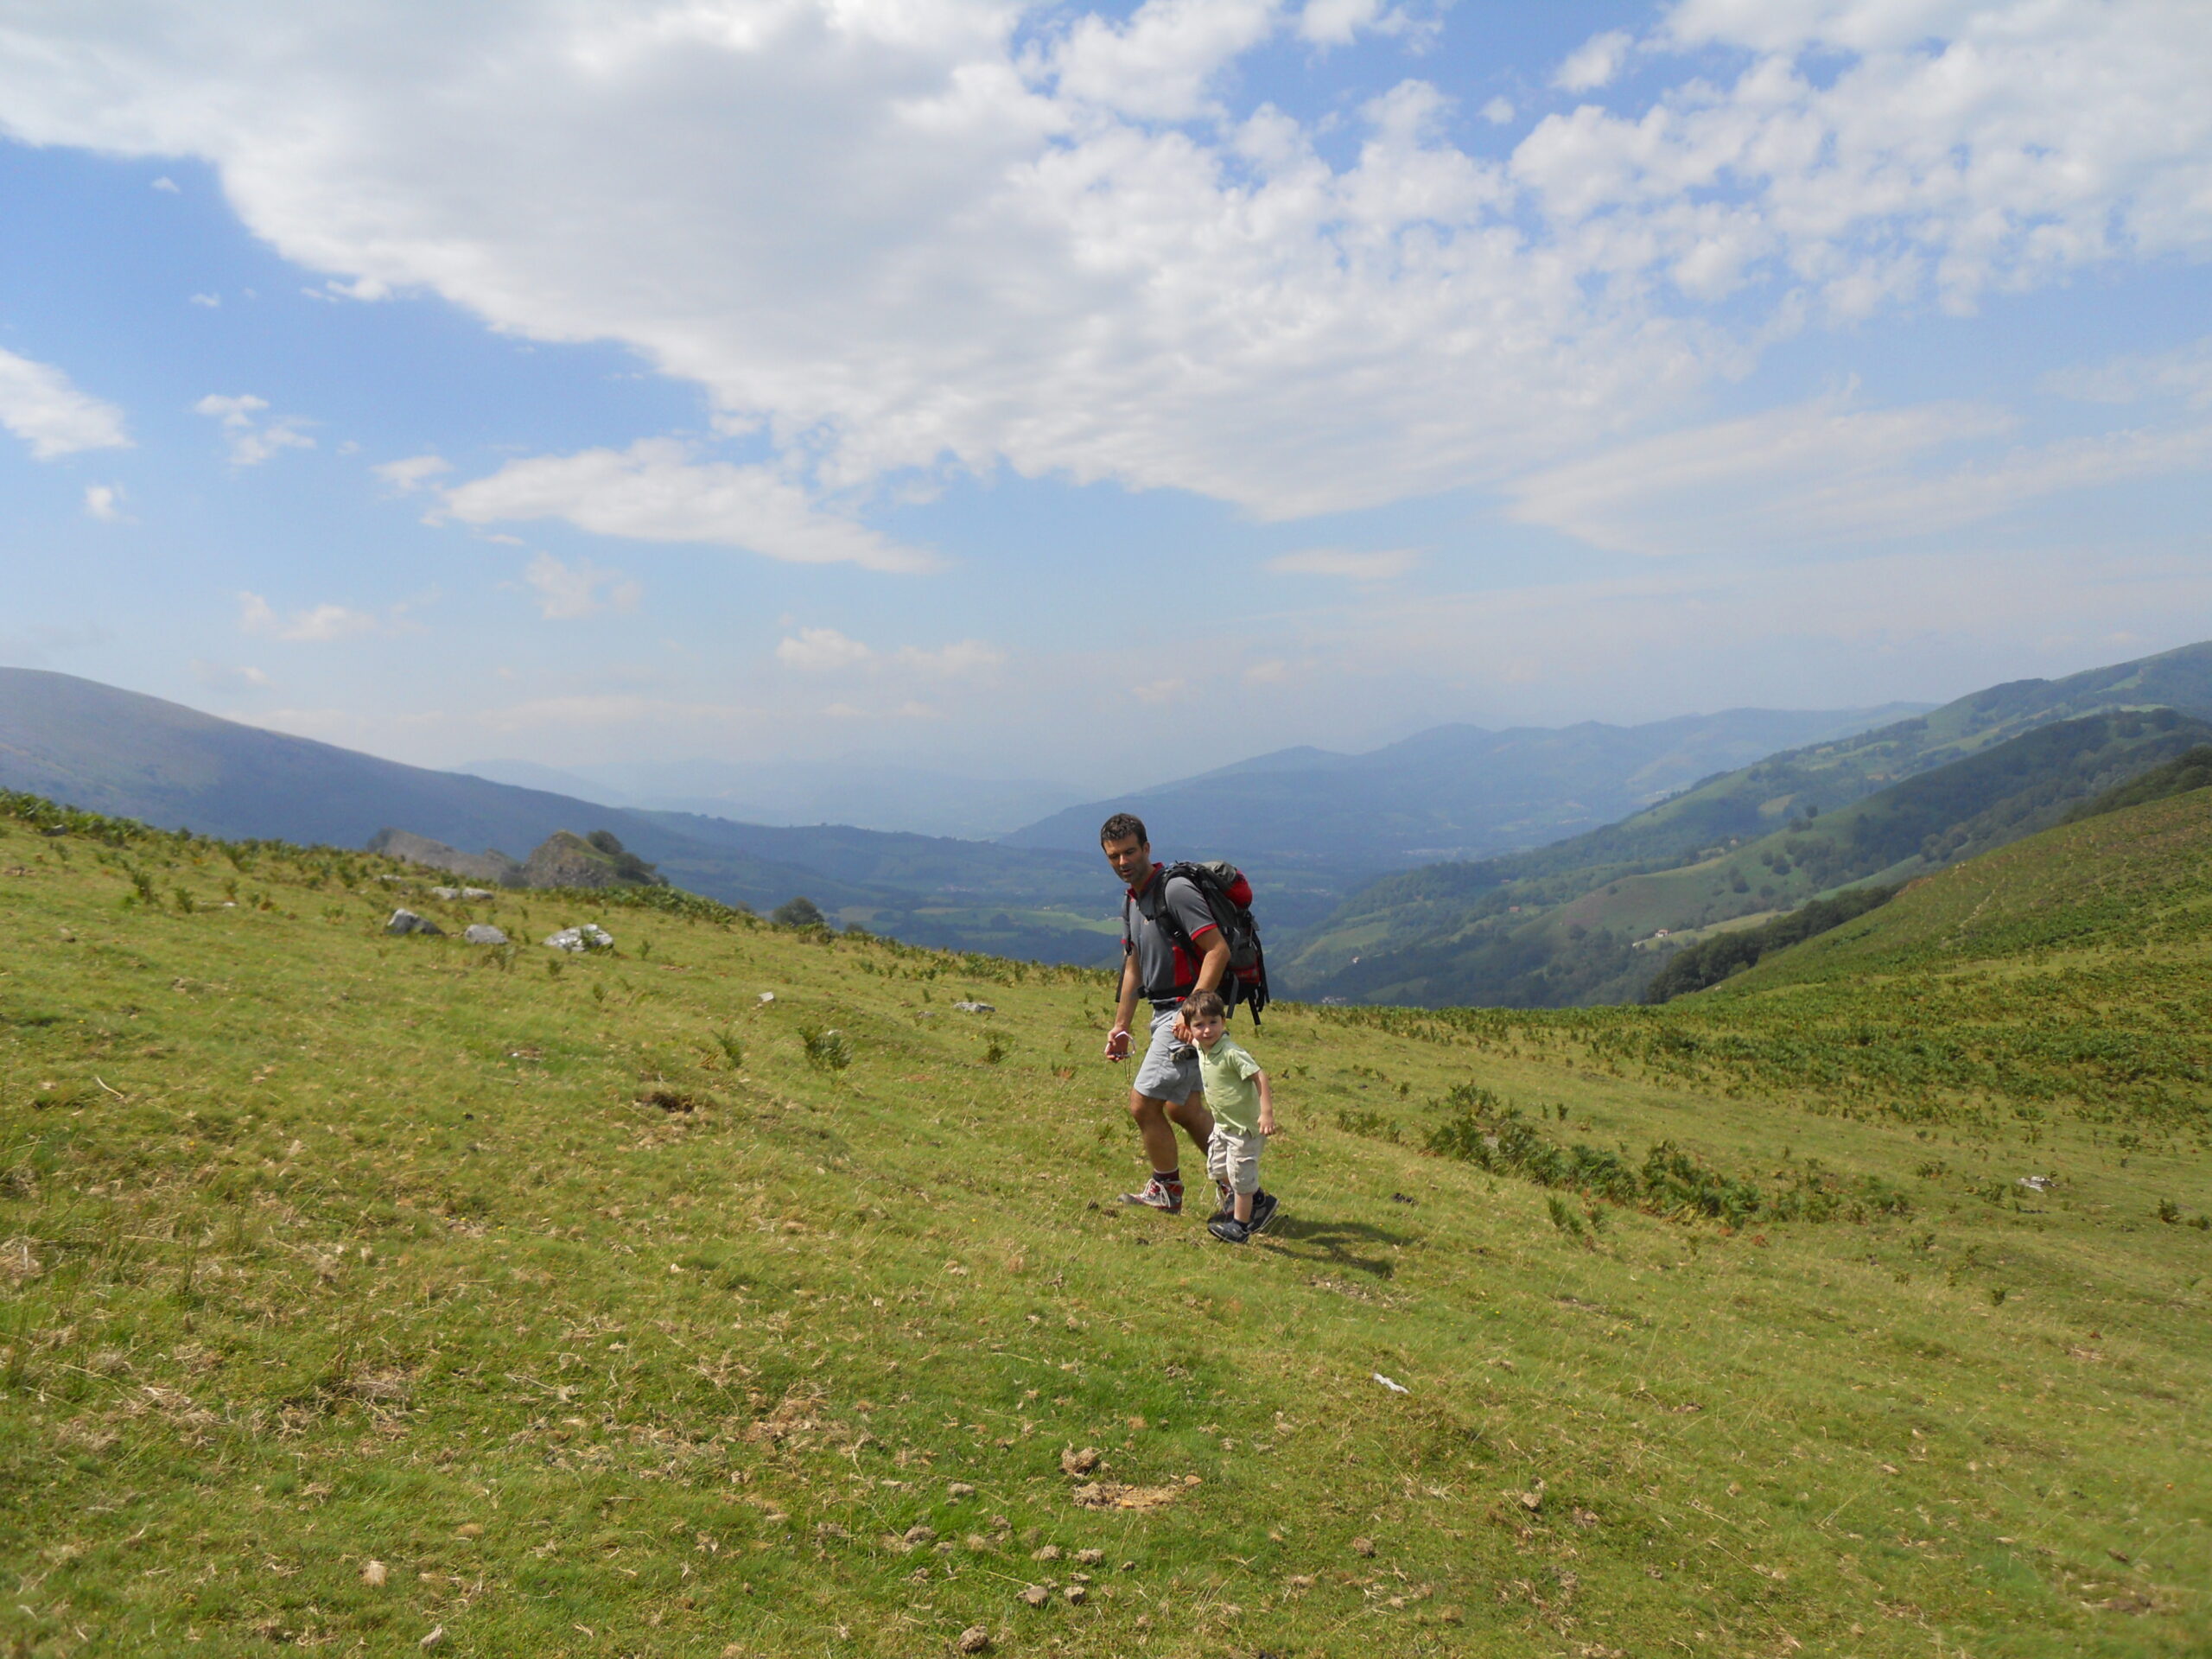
point(1243, 1118)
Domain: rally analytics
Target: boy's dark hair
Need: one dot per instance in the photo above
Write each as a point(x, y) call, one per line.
point(1205, 1005)
point(1120, 826)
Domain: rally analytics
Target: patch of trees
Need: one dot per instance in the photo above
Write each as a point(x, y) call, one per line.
point(1713, 960)
point(2177, 777)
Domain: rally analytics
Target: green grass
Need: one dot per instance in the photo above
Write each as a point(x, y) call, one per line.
point(576, 1295)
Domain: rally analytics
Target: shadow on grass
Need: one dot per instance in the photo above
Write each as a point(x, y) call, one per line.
point(1333, 1244)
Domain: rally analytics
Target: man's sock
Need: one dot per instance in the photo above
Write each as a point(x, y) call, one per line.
point(1168, 1177)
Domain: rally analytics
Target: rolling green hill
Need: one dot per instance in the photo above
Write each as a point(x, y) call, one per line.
point(398, 1295)
point(1749, 844)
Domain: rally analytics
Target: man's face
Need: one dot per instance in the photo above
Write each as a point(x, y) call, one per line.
point(1207, 1029)
point(1131, 859)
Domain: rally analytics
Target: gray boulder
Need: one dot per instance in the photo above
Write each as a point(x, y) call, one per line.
point(406, 921)
point(483, 933)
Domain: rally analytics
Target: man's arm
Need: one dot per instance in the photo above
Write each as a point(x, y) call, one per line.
point(1213, 966)
point(1117, 1040)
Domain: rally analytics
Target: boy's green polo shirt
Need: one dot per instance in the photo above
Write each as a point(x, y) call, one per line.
point(1231, 1095)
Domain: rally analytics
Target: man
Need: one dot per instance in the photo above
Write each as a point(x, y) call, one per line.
point(1171, 950)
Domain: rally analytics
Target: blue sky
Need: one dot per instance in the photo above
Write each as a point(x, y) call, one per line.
point(1094, 395)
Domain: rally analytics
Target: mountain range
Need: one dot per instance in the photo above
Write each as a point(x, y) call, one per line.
point(1719, 820)
point(1591, 919)
point(1449, 792)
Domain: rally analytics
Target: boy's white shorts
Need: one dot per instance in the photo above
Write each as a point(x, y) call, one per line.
point(1234, 1159)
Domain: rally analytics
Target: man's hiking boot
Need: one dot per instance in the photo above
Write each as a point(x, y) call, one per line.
point(1157, 1194)
point(1263, 1211)
point(1229, 1230)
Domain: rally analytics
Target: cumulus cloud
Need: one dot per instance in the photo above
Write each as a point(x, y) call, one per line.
point(252, 440)
point(567, 592)
point(39, 405)
point(656, 491)
point(1594, 63)
point(104, 503)
point(1346, 564)
point(317, 624)
point(942, 236)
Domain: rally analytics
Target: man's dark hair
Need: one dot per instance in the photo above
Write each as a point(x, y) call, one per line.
point(1120, 826)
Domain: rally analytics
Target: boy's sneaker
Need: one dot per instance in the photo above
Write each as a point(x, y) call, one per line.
point(1263, 1211)
point(1157, 1194)
point(1229, 1230)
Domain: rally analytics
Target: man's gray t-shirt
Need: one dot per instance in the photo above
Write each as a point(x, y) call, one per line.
point(1163, 967)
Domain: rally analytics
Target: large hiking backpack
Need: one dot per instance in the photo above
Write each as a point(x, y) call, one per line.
point(1229, 898)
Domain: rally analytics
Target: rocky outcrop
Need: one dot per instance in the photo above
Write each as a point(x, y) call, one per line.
point(562, 859)
point(595, 861)
point(491, 865)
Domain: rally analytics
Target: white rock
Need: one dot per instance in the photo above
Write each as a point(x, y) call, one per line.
point(483, 933)
point(587, 936)
point(975, 1007)
point(406, 921)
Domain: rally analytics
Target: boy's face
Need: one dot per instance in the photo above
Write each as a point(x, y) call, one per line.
point(1207, 1029)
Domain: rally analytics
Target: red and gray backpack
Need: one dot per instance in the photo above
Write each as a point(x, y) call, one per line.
point(1229, 899)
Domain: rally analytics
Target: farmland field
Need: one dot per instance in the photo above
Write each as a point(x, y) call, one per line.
point(734, 1292)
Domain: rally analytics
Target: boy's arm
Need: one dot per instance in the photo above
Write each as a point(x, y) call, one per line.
point(1267, 1104)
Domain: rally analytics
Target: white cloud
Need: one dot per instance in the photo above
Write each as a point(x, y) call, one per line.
point(2184, 373)
point(251, 442)
point(412, 472)
point(224, 677)
point(655, 492)
point(166, 186)
point(962, 659)
point(318, 624)
point(210, 302)
point(39, 405)
point(597, 711)
point(1823, 472)
point(820, 649)
point(1498, 111)
point(104, 503)
point(566, 592)
point(908, 240)
point(1594, 63)
point(1346, 564)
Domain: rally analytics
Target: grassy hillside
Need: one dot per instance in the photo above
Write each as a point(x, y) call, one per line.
point(371, 1292)
point(1594, 934)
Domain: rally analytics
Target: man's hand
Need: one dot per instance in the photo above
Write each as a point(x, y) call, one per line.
point(1118, 1043)
point(1181, 1028)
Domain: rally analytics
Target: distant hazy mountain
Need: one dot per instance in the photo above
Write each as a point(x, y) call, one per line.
point(866, 795)
point(1556, 925)
point(112, 751)
point(1453, 791)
